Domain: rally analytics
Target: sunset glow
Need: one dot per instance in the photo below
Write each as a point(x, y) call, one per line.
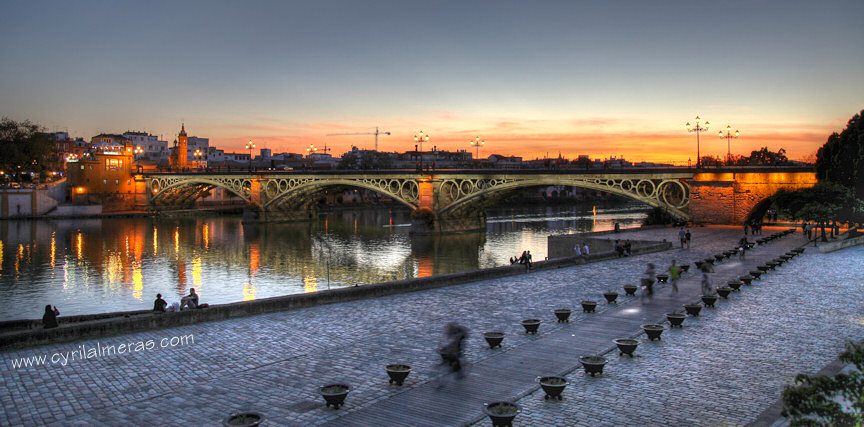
point(604, 79)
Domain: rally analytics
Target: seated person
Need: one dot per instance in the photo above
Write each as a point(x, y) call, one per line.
point(160, 304)
point(49, 319)
point(190, 300)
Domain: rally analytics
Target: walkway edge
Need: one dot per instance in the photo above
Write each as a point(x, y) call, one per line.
point(772, 417)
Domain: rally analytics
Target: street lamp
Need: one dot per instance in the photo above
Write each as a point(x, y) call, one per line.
point(309, 152)
point(250, 145)
point(729, 135)
point(421, 138)
point(477, 143)
point(138, 150)
point(697, 129)
point(198, 155)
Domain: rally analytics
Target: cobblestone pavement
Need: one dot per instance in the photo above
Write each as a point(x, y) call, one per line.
point(726, 366)
point(723, 368)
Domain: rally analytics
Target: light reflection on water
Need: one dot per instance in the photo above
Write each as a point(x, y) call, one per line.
point(121, 264)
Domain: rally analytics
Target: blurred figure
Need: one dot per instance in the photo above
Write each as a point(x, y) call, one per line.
point(648, 281)
point(451, 347)
point(674, 275)
point(706, 281)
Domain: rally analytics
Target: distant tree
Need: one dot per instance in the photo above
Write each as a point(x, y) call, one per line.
point(841, 159)
point(821, 204)
point(364, 160)
point(711, 161)
point(766, 157)
point(24, 148)
point(813, 400)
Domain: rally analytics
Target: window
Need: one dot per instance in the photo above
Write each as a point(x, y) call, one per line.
point(104, 182)
point(114, 164)
point(116, 182)
point(128, 182)
point(82, 167)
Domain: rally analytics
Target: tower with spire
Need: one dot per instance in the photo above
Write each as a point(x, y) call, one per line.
point(179, 153)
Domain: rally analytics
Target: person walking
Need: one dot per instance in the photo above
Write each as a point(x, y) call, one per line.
point(706, 281)
point(687, 236)
point(674, 275)
point(451, 347)
point(682, 236)
point(648, 281)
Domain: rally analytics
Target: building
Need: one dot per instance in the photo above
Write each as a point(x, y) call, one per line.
point(103, 176)
point(180, 151)
point(62, 148)
point(147, 146)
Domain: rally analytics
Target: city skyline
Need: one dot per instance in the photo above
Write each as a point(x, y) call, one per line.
point(617, 79)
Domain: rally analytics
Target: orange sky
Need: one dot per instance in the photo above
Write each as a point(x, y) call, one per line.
point(531, 139)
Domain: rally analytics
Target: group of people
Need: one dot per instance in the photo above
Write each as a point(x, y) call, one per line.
point(49, 319)
point(623, 248)
point(754, 226)
point(684, 237)
point(582, 250)
point(525, 258)
point(188, 301)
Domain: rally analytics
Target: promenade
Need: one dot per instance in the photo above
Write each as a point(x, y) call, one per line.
point(724, 367)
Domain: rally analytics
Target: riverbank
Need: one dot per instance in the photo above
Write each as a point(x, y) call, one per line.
point(28, 332)
point(723, 368)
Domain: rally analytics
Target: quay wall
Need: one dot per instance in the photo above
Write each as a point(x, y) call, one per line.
point(28, 333)
point(841, 244)
point(731, 197)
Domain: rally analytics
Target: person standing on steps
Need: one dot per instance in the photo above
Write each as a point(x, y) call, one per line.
point(682, 236)
point(687, 236)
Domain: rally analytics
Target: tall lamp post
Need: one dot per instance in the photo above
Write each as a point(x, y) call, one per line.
point(420, 139)
point(477, 143)
point(698, 129)
point(729, 136)
point(198, 155)
point(250, 145)
point(309, 152)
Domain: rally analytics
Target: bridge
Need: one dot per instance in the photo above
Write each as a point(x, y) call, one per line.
point(456, 200)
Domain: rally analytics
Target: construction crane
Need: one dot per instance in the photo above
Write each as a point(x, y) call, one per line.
point(376, 133)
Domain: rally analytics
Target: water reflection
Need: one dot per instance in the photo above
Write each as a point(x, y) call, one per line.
point(119, 264)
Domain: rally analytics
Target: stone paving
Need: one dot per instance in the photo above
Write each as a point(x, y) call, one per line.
point(723, 368)
point(728, 365)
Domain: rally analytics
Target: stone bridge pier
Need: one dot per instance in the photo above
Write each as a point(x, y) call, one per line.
point(734, 195)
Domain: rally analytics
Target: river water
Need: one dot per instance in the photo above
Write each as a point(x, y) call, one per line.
point(101, 265)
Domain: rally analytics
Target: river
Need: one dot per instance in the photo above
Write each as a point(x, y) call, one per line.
point(100, 265)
